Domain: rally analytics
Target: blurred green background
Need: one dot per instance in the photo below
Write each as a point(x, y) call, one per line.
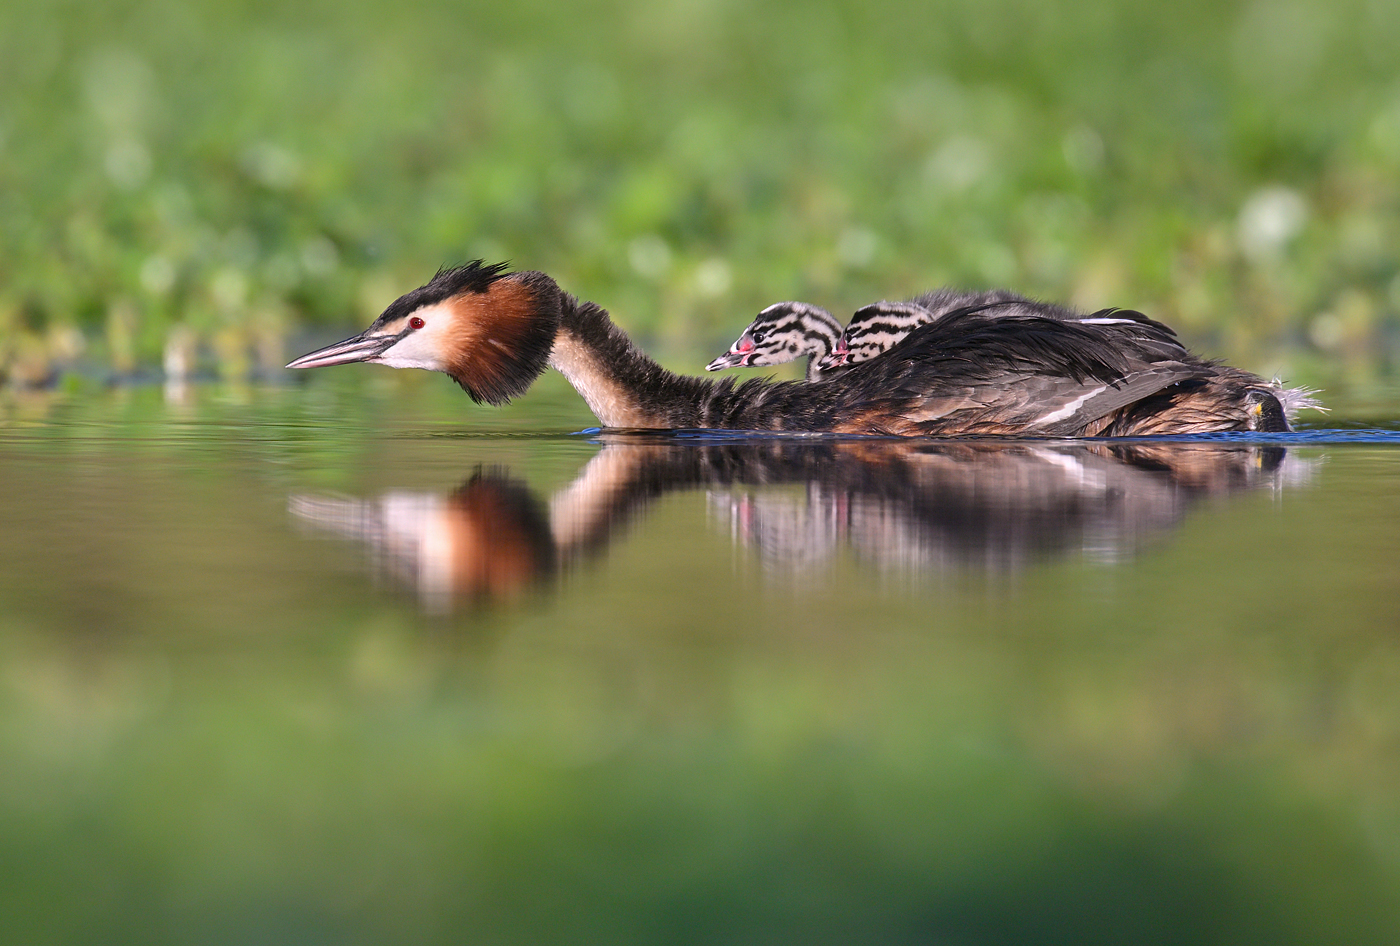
point(195, 181)
point(213, 730)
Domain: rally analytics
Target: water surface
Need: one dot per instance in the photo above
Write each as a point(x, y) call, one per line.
point(345, 663)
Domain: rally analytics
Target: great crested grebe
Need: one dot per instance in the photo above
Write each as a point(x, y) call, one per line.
point(783, 332)
point(494, 333)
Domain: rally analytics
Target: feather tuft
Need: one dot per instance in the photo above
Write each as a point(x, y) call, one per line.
point(502, 337)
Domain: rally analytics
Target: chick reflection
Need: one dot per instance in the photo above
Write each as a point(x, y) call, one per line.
point(898, 506)
point(993, 507)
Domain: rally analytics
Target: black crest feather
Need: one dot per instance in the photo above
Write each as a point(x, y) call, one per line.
point(476, 276)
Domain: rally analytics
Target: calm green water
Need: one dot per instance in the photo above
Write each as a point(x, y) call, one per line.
point(358, 662)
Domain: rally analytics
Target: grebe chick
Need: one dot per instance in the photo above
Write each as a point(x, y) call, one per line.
point(786, 331)
point(873, 330)
point(494, 333)
point(783, 332)
point(878, 327)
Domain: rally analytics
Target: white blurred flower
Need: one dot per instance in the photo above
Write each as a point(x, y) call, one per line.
point(229, 287)
point(157, 275)
point(649, 256)
point(713, 277)
point(958, 163)
point(271, 165)
point(120, 88)
point(1269, 220)
point(1326, 331)
point(127, 162)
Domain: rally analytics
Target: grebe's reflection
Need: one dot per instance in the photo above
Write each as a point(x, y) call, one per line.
point(897, 505)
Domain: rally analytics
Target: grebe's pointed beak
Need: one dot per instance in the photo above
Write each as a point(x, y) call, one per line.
point(362, 347)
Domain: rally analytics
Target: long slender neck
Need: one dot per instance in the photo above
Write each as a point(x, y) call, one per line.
point(622, 386)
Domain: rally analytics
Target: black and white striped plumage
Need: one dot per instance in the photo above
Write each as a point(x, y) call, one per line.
point(878, 327)
point(783, 332)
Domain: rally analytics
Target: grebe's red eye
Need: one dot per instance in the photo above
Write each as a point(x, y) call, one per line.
point(415, 322)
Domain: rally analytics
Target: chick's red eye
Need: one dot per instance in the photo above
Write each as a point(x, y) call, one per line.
point(415, 322)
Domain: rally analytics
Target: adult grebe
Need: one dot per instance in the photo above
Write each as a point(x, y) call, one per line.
point(783, 332)
point(494, 333)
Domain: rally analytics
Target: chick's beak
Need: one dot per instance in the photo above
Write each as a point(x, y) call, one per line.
point(362, 347)
point(738, 356)
point(730, 359)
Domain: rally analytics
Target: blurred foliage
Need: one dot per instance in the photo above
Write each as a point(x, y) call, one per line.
point(196, 180)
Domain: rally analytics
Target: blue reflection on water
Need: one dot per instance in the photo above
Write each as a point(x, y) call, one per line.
point(1342, 435)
